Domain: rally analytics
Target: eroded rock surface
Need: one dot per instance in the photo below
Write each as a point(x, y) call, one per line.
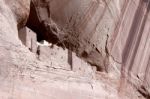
point(112, 35)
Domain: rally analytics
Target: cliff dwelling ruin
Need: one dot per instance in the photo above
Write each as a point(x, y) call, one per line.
point(74, 49)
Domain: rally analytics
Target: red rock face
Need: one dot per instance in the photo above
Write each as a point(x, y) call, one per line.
point(113, 35)
point(131, 40)
point(86, 23)
point(98, 30)
point(21, 10)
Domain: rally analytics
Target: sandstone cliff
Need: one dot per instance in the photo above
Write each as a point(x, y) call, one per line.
point(98, 49)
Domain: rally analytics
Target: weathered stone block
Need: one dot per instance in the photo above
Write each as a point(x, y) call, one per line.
point(28, 38)
point(44, 52)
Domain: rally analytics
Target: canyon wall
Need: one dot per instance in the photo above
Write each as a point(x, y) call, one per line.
point(129, 44)
point(105, 31)
point(105, 49)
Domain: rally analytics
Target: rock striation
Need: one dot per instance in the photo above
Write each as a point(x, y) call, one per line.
point(96, 49)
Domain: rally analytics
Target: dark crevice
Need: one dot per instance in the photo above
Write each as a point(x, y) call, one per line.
point(84, 54)
point(34, 23)
point(143, 91)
